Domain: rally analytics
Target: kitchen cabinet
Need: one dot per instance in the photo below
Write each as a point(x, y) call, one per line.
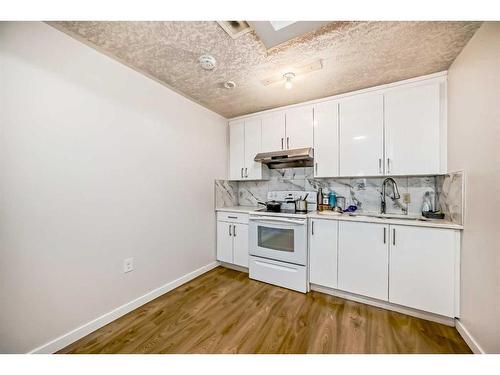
point(253, 144)
point(326, 139)
point(299, 128)
point(412, 129)
point(363, 252)
point(236, 150)
point(240, 245)
point(362, 135)
point(422, 268)
point(245, 141)
point(273, 132)
point(232, 238)
point(224, 242)
point(398, 129)
point(323, 252)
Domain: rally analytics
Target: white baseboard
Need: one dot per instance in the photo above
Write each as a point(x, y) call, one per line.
point(385, 305)
point(468, 338)
point(234, 267)
point(82, 331)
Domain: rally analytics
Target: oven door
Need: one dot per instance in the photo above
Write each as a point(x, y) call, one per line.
point(278, 238)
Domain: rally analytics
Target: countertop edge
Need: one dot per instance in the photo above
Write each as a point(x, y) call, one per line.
point(364, 219)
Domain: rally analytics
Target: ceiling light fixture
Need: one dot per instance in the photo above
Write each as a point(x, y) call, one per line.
point(288, 76)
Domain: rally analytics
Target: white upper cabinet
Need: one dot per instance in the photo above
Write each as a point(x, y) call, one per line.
point(323, 252)
point(236, 150)
point(253, 145)
point(363, 260)
point(412, 129)
point(273, 132)
point(299, 128)
point(245, 141)
point(423, 268)
point(397, 129)
point(362, 135)
point(326, 139)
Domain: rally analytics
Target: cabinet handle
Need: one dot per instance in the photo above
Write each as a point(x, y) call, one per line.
point(384, 236)
point(234, 230)
point(316, 165)
point(229, 229)
point(312, 228)
point(246, 172)
point(241, 172)
point(288, 143)
point(394, 236)
point(282, 143)
point(379, 165)
point(388, 165)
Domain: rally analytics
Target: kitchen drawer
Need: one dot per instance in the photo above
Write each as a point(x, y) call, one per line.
point(233, 217)
point(287, 275)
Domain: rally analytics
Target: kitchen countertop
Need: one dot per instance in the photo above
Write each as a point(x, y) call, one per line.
point(240, 209)
point(432, 223)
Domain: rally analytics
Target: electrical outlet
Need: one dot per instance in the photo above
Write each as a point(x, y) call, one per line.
point(128, 265)
point(407, 198)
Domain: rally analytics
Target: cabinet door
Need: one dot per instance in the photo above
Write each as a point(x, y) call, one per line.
point(363, 259)
point(273, 132)
point(326, 140)
point(362, 135)
point(240, 245)
point(299, 128)
point(253, 145)
point(236, 150)
point(422, 268)
point(323, 252)
point(224, 242)
point(412, 130)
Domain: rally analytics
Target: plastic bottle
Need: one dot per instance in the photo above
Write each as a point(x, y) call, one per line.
point(332, 199)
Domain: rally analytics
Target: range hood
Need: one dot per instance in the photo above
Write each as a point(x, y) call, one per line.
point(297, 158)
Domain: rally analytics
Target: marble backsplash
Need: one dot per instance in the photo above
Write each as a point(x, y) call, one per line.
point(362, 192)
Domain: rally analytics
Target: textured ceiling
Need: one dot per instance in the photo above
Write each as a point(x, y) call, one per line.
point(354, 55)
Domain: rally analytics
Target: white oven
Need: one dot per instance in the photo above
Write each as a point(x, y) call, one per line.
point(279, 238)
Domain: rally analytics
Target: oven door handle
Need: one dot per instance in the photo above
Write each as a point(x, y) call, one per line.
point(277, 220)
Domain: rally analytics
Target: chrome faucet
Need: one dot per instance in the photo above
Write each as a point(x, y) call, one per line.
point(395, 193)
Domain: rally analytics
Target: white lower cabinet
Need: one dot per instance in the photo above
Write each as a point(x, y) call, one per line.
point(232, 242)
point(363, 259)
point(240, 245)
point(224, 242)
point(416, 267)
point(422, 268)
point(323, 252)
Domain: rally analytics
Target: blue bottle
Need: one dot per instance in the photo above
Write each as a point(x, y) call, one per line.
point(332, 199)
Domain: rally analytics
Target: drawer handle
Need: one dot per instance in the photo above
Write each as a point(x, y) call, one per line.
point(276, 267)
point(232, 217)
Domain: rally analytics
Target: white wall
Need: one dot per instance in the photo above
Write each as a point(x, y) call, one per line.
point(97, 163)
point(474, 145)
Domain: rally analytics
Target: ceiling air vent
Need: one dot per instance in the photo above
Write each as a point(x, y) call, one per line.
point(235, 29)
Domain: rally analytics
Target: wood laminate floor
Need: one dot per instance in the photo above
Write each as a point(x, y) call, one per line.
point(223, 311)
